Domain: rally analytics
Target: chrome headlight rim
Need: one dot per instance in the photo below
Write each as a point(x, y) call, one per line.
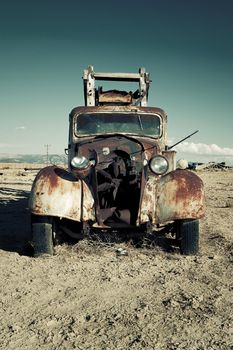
point(80, 163)
point(163, 167)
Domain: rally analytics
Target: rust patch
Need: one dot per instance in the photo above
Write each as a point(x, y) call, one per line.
point(177, 195)
point(56, 192)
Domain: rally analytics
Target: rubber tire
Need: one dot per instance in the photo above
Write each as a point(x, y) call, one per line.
point(42, 236)
point(188, 236)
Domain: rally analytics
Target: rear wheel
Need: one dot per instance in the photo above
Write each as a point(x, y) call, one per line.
point(43, 235)
point(187, 234)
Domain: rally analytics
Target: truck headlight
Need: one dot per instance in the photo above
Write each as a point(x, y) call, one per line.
point(80, 163)
point(159, 165)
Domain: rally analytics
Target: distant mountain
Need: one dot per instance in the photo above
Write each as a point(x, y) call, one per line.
point(33, 158)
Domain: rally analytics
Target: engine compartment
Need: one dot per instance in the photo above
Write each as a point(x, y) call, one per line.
point(118, 187)
point(116, 179)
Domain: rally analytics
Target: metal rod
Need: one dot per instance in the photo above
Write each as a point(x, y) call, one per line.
point(183, 139)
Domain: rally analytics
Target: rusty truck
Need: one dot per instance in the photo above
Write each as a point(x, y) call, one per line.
point(121, 174)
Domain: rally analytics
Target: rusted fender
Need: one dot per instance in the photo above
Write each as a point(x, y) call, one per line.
point(56, 192)
point(177, 195)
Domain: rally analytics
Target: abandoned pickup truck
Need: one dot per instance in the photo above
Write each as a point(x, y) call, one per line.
point(121, 175)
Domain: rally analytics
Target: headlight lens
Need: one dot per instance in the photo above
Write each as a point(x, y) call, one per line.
point(80, 162)
point(159, 165)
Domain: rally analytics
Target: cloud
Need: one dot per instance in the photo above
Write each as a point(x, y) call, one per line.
point(202, 148)
point(20, 128)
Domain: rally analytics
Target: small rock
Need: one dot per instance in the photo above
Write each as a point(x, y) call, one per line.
point(14, 327)
point(88, 317)
point(51, 323)
point(212, 257)
point(121, 252)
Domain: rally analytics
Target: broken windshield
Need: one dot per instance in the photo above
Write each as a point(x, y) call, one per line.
point(108, 123)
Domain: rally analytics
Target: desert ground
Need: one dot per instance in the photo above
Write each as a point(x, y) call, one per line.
point(88, 297)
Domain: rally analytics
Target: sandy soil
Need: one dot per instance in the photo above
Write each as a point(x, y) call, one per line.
point(88, 297)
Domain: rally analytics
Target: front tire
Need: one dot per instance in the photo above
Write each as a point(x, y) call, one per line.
point(187, 234)
point(42, 235)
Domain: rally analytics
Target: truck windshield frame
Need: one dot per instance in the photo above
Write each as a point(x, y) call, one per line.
point(100, 123)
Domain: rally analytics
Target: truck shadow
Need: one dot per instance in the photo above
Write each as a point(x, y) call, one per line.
point(15, 232)
point(15, 221)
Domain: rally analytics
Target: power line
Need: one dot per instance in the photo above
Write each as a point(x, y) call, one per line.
point(47, 153)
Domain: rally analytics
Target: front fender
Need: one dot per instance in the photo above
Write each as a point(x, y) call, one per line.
point(174, 196)
point(56, 192)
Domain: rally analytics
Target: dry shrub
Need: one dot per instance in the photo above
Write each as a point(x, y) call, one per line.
point(91, 246)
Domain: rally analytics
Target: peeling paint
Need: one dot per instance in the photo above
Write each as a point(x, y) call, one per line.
point(174, 196)
point(56, 192)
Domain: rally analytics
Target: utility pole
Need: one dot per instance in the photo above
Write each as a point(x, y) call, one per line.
point(47, 153)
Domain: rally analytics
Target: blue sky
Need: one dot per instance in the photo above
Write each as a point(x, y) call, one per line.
point(187, 46)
